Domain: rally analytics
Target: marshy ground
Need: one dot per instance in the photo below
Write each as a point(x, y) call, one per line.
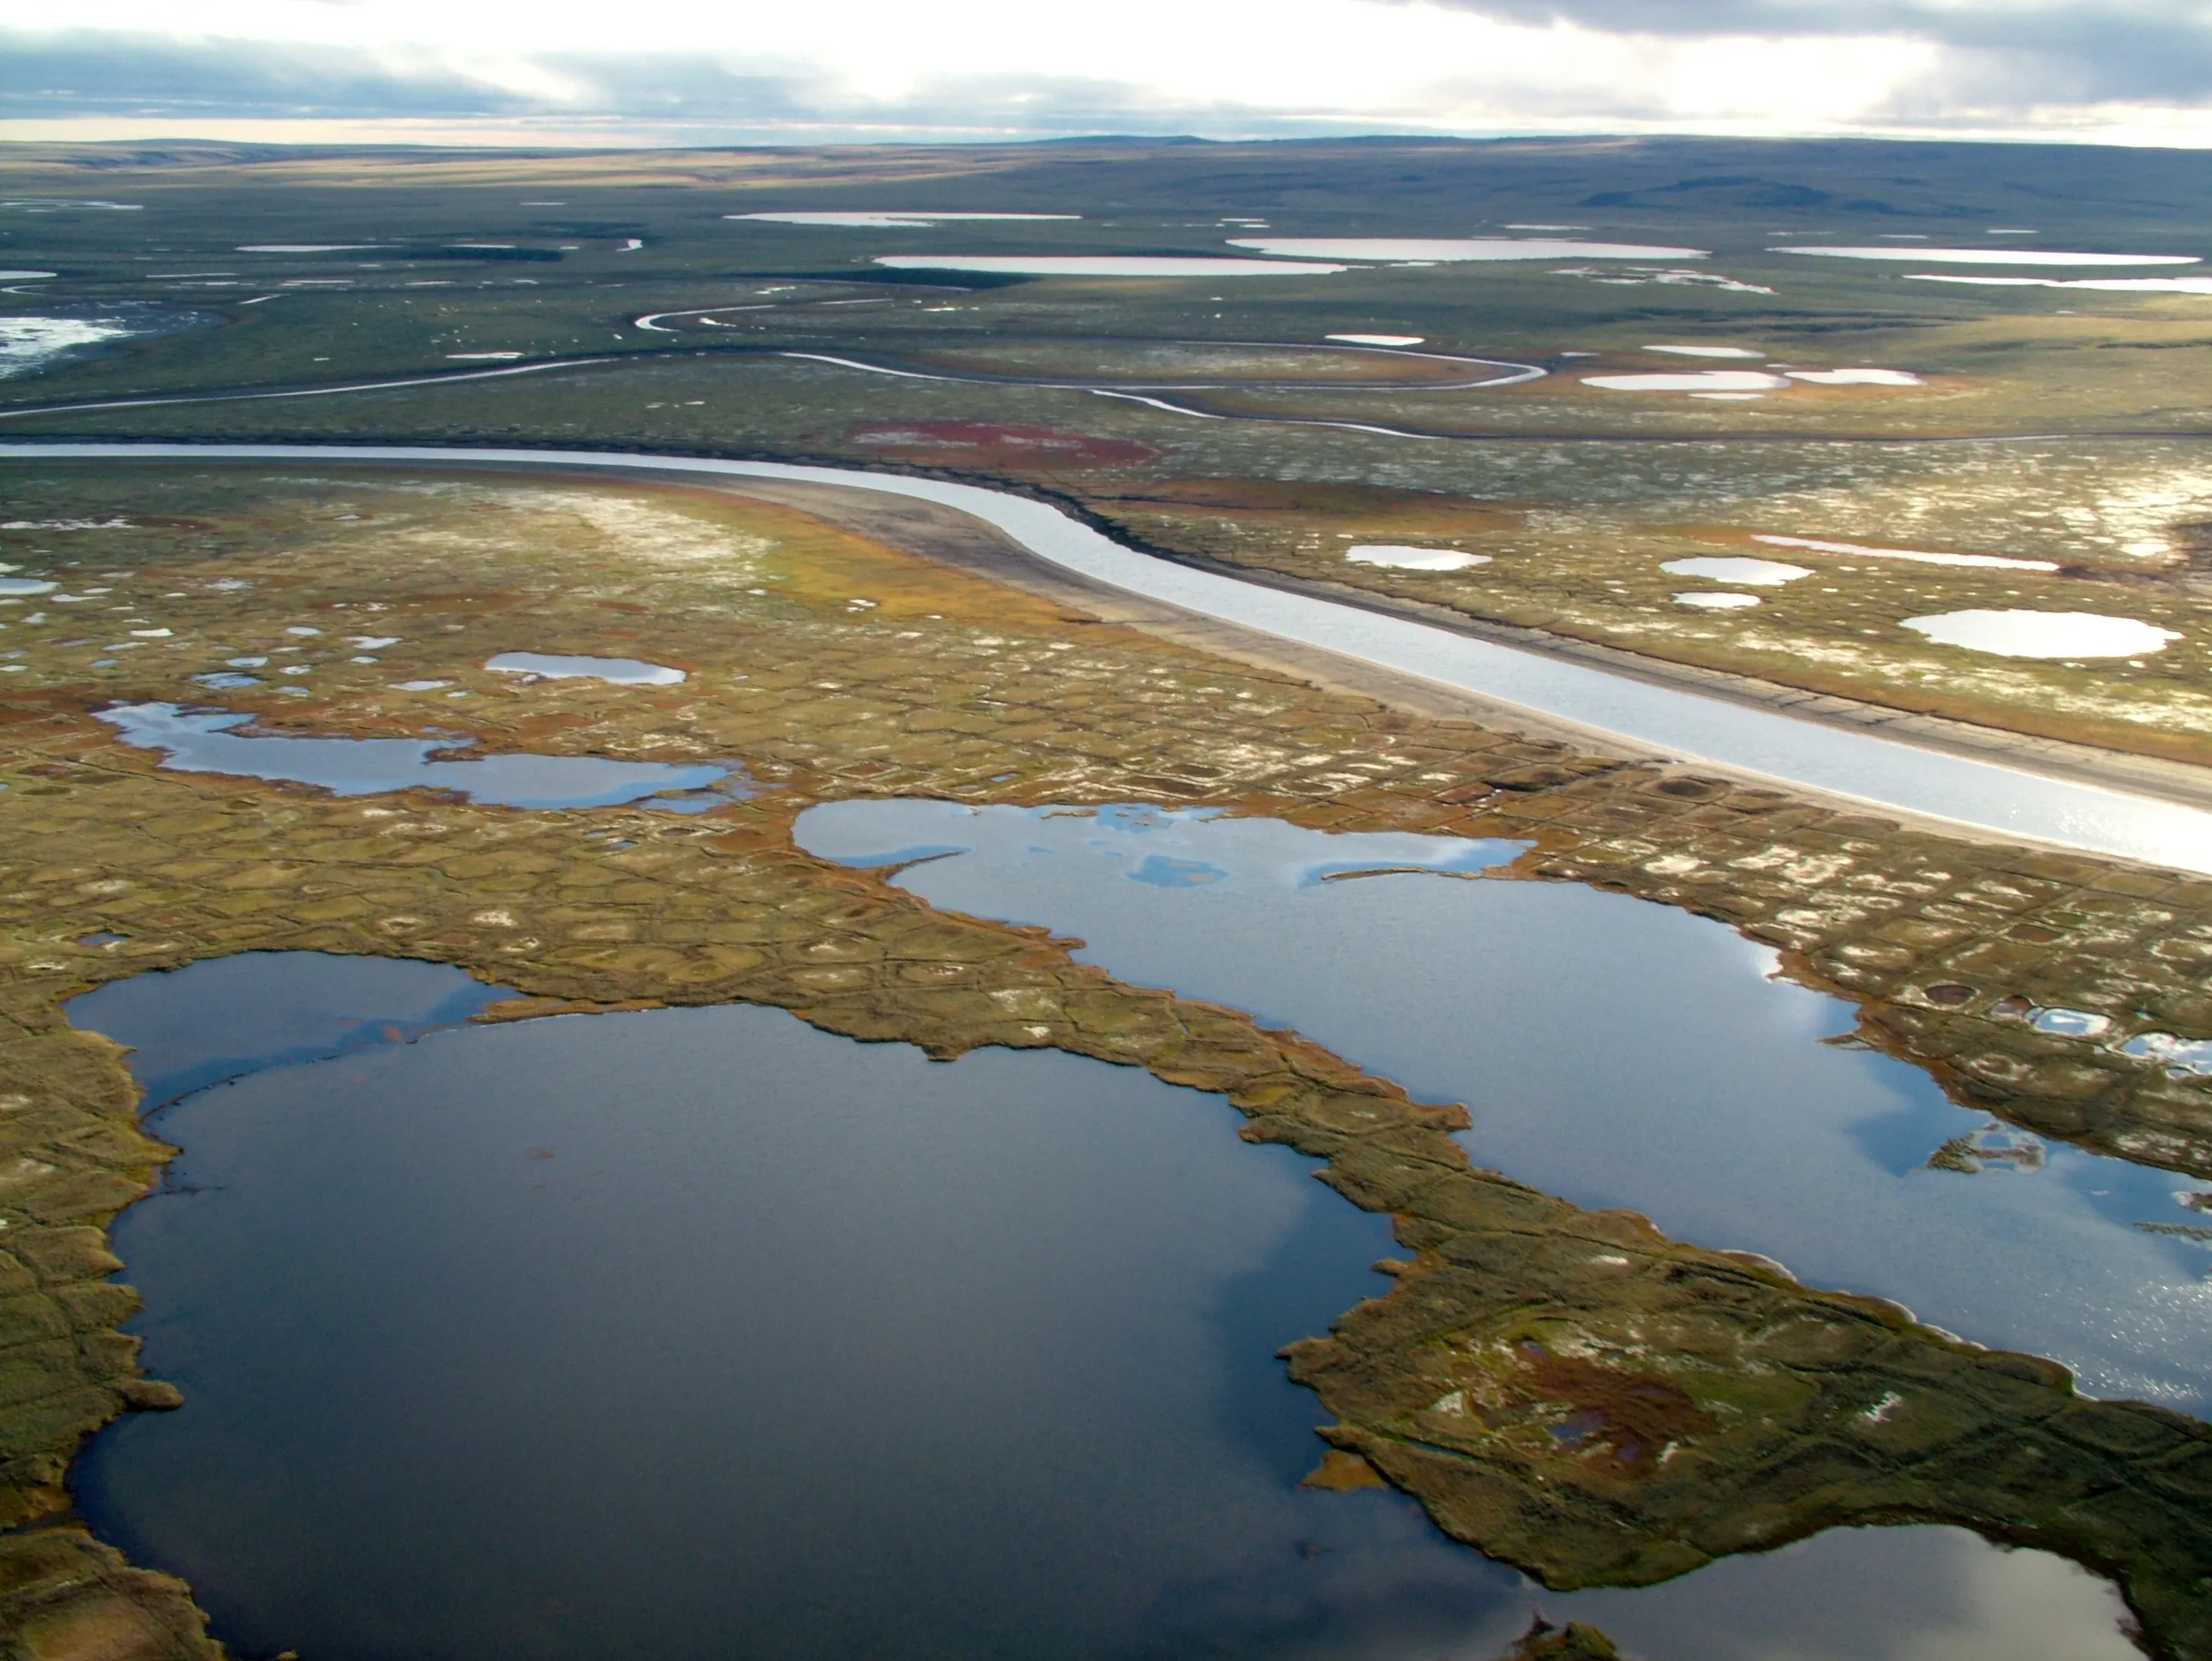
point(2056, 432)
point(835, 667)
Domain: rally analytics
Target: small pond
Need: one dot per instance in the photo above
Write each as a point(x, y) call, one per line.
point(615, 671)
point(209, 741)
point(699, 1333)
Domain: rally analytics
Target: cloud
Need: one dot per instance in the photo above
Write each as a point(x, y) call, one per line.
point(83, 72)
point(2009, 53)
point(1011, 68)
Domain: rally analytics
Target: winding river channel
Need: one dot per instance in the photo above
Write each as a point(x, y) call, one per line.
point(1883, 773)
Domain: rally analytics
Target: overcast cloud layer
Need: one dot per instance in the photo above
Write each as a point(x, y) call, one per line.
point(2136, 71)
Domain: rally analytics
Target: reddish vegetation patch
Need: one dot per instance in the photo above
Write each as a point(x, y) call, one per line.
point(1633, 1416)
point(986, 441)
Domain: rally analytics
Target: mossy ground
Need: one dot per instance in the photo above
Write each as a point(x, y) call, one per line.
point(1582, 493)
point(1708, 1404)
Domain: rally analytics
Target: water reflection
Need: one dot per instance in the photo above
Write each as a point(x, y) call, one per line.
point(615, 671)
point(205, 741)
point(188, 1028)
point(1860, 765)
point(1614, 1051)
point(697, 1333)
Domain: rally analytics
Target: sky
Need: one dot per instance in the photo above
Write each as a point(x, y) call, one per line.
point(801, 71)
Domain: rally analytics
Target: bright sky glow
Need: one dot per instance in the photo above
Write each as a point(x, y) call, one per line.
point(673, 69)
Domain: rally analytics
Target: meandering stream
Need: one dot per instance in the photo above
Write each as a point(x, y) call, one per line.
point(1883, 772)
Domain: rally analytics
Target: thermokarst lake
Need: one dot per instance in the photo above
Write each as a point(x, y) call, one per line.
point(1012, 1320)
point(1106, 901)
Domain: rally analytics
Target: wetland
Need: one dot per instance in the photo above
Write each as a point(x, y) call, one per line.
point(758, 1032)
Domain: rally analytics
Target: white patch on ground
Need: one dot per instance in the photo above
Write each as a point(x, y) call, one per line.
point(887, 218)
point(27, 343)
point(23, 277)
point(1631, 276)
point(1856, 377)
point(305, 247)
point(2138, 515)
point(1106, 265)
point(501, 357)
point(1814, 545)
point(1759, 573)
point(2043, 633)
point(1378, 340)
point(2173, 710)
point(641, 531)
point(25, 586)
point(1992, 256)
point(1710, 602)
point(1412, 559)
point(1708, 351)
point(1455, 249)
point(1696, 380)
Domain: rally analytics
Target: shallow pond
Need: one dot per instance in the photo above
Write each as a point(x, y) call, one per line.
point(615, 671)
point(1861, 550)
point(1454, 249)
point(2019, 634)
point(1689, 380)
point(1108, 265)
point(694, 1333)
point(884, 219)
point(1616, 1052)
point(205, 741)
point(1402, 558)
point(1992, 256)
point(1759, 573)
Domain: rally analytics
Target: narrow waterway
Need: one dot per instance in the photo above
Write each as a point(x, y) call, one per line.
point(1862, 766)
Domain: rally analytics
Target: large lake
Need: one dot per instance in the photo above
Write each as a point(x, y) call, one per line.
point(699, 1333)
